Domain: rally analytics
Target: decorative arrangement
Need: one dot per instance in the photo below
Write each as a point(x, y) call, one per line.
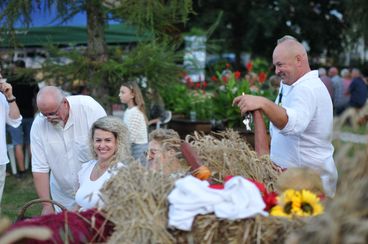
point(293, 203)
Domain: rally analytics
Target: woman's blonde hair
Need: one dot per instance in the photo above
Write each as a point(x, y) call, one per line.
point(168, 138)
point(138, 97)
point(120, 131)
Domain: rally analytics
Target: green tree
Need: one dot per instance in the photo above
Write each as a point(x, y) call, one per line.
point(357, 12)
point(101, 67)
point(254, 26)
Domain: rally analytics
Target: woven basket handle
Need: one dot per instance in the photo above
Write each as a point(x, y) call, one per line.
point(39, 200)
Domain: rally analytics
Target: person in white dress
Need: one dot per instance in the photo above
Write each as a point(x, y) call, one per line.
point(110, 148)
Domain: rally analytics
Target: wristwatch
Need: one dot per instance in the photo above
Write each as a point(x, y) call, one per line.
point(11, 100)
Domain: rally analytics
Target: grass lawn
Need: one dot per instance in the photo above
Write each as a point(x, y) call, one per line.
point(17, 192)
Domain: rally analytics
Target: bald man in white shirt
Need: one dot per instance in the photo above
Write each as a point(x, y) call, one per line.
point(301, 117)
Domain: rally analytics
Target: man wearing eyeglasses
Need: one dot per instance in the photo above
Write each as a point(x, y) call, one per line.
point(59, 139)
point(9, 114)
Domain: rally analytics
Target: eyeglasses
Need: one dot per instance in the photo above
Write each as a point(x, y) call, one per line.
point(152, 152)
point(53, 113)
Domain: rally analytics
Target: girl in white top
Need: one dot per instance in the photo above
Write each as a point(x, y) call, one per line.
point(110, 147)
point(135, 119)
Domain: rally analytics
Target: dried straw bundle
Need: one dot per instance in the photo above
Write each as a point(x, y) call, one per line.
point(210, 229)
point(137, 205)
point(226, 153)
point(346, 217)
point(137, 199)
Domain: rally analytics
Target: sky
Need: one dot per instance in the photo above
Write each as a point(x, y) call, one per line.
point(42, 19)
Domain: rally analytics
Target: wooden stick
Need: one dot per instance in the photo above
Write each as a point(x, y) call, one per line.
point(261, 141)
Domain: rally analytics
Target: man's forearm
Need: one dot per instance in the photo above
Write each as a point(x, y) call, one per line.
point(276, 114)
point(14, 110)
point(42, 184)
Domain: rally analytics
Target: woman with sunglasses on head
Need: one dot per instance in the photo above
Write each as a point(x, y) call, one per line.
point(110, 149)
point(164, 153)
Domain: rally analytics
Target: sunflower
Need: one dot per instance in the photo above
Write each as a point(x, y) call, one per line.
point(310, 204)
point(297, 203)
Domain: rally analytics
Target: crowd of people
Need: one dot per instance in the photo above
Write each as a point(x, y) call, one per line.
point(76, 147)
point(348, 89)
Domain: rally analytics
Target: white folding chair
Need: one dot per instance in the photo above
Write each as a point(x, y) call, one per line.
point(164, 120)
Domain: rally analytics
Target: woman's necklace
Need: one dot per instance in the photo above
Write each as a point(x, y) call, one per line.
point(99, 170)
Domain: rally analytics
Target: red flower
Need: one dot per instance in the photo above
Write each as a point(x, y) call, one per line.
point(214, 78)
point(187, 78)
point(189, 81)
point(270, 200)
point(228, 65)
point(224, 79)
point(262, 76)
point(249, 66)
point(237, 74)
point(198, 85)
point(204, 85)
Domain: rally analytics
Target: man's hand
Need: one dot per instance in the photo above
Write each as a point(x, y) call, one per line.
point(47, 209)
point(248, 103)
point(276, 114)
point(7, 90)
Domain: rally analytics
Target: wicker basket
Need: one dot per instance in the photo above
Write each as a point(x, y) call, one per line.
point(22, 211)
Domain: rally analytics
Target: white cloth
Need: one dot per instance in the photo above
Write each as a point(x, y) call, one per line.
point(89, 195)
point(305, 141)
point(239, 199)
point(5, 119)
point(62, 151)
point(135, 121)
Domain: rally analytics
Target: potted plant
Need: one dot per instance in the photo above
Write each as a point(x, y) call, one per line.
point(192, 108)
point(200, 103)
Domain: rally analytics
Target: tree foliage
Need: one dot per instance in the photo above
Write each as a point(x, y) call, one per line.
point(160, 17)
point(104, 69)
point(255, 25)
point(357, 12)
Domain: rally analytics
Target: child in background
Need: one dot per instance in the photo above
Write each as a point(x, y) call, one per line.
point(135, 119)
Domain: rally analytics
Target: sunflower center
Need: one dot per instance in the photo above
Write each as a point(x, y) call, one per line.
point(307, 208)
point(287, 207)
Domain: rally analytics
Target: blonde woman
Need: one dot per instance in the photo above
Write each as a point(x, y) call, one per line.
point(164, 153)
point(135, 118)
point(110, 149)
